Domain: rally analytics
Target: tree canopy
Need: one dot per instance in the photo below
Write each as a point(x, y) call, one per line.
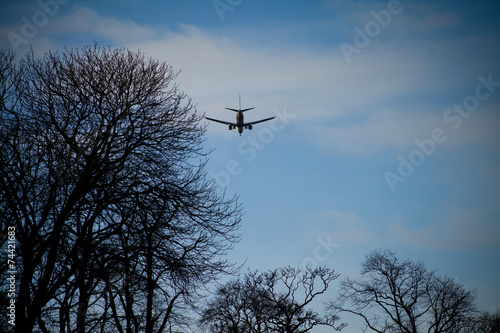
point(395, 295)
point(102, 176)
point(278, 300)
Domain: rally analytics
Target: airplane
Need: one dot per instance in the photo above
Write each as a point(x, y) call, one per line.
point(240, 124)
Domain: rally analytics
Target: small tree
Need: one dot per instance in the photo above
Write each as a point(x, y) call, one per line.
point(273, 301)
point(395, 295)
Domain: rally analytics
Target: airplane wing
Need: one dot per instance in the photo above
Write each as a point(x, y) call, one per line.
point(258, 121)
point(221, 121)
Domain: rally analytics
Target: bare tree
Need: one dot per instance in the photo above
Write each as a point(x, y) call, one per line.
point(486, 323)
point(8, 81)
point(273, 301)
point(102, 175)
point(395, 295)
point(452, 306)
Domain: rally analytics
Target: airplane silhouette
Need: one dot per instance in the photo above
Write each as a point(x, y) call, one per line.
point(240, 124)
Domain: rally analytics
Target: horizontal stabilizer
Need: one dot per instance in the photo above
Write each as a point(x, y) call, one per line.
point(239, 110)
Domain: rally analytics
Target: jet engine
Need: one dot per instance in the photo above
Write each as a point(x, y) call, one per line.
point(250, 127)
point(230, 127)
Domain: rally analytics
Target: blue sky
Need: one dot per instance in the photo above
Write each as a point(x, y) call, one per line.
point(367, 91)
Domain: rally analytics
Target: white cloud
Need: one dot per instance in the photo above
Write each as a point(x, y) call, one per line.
point(345, 227)
point(383, 99)
point(319, 88)
point(384, 129)
point(458, 228)
point(85, 21)
point(453, 229)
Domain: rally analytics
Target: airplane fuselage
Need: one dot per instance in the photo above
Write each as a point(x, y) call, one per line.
point(240, 124)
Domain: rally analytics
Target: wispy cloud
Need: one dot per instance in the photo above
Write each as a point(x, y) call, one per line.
point(345, 227)
point(458, 228)
point(85, 22)
point(375, 103)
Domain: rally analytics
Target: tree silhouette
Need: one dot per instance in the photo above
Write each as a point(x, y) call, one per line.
point(273, 301)
point(486, 323)
point(102, 175)
point(395, 295)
